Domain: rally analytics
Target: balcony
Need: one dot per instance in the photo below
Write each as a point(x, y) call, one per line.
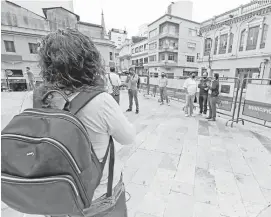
point(165, 48)
point(167, 63)
point(168, 35)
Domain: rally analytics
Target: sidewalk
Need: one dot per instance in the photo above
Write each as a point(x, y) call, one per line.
point(188, 167)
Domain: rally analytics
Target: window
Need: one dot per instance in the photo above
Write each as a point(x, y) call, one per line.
point(190, 59)
point(110, 55)
point(145, 60)
point(171, 57)
point(162, 57)
point(197, 56)
point(264, 35)
point(216, 44)
point(133, 50)
point(9, 45)
point(141, 61)
point(133, 62)
point(141, 48)
point(33, 48)
point(192, 32)
point(252, 38)
point(152, 46)
point(172, 30)
point(136, 50)
point(170, 75)
point(191, 45)
point(152, 58)
point(152, 33)
point(242, 40)
point(223, 44)
point(207, 46)
point(230, 43)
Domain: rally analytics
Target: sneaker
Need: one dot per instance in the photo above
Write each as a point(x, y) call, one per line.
point(128, 110)
point(168, 104)
point(137, 111)
point(208, 118)
point(200, 113)
point(186, 115)
point(192, 115)
point(161, 103)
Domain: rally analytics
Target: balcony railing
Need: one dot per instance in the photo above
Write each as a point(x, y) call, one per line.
point(168, 48)
point(169, 34)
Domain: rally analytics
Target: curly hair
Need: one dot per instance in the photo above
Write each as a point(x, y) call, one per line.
point(70, 60)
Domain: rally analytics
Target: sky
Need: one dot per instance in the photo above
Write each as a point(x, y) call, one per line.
point(130, 14)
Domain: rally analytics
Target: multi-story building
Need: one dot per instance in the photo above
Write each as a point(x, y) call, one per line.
point(235, 43)
point(118, 36)
point(125, 56)
point(143, 30)
point(21, 31)
point(139, 56)
point(174, 46)
point(182, 9)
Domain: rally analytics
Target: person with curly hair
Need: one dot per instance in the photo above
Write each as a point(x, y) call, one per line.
point(71, 63)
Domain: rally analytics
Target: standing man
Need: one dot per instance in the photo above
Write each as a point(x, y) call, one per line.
point(213, 95)
point(190, 88)
point(203, 94)
point(133, 85)
point(31, 79)
point(114, 84)
point(162, 82)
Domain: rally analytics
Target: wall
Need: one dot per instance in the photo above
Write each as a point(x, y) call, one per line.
point(182, 9)
point(115, 38)
point(90, 31)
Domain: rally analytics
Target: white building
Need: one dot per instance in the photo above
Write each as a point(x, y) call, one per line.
point(118, 36)
point(140, 56)
point(143, 30)
point(183, 9)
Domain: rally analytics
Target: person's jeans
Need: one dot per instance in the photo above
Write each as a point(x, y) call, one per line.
point(133, 95)
point(212, 107)
point(31, 84)
point(116, 97)
point(203, 99)
point(189, 104)
point(163, 94)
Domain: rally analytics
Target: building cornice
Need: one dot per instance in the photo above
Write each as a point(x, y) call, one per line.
point(230, 21)
point(10, 32)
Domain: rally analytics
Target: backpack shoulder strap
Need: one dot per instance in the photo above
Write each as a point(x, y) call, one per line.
point(82, 99)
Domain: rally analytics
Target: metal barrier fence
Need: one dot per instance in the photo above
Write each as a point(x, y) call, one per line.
point(254, 103)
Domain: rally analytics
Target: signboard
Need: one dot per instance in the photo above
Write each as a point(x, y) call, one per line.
point(225, 103)
point(257, 110)
point(258, 102)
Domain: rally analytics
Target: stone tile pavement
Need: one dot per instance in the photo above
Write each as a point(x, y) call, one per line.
point(187, 167)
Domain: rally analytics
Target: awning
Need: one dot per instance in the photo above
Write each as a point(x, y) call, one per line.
point(190, 70)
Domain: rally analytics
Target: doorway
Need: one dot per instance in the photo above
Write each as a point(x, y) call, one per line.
point(245, 73)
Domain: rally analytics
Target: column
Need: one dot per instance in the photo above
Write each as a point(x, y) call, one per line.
point(246, 36)
point(218, 44)
point(228, 41)
point(259, 37)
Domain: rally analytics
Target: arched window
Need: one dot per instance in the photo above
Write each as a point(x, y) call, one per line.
point(216, 44)
point(264, 36)
point(207, 46)
point(242, 40)
point(230, 43)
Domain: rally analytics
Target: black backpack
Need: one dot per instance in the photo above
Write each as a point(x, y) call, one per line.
point(49, 166)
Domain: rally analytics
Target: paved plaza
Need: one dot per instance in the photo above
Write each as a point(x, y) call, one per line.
point(186, 167)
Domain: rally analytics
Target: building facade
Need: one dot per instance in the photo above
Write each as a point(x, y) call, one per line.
point(118, 36)
point(22, 30)
point(183, 9)
point(235, 44)
point(143, 30)
point(139, 56)
point(174, 46)
point(125, 56)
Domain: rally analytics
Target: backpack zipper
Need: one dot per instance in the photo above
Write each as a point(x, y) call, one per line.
point(8, 179)
point(53, 142)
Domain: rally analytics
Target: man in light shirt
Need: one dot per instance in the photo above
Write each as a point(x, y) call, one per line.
point(162, 82)
point(190, 88)
point(133, 82)
point(114, 85)
point(31, 79)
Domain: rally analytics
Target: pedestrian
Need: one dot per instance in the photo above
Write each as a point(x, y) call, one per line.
point(31, 78)
point(213, 96)
point(133, 82)
point(163, 82)
point(114, 84)
point(97, 189)
point(203, 94)
point(190, 88)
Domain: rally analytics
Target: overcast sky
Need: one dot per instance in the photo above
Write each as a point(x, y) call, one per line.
point(132, 13)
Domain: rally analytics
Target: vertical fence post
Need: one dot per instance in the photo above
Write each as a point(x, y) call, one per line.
point(240, 101)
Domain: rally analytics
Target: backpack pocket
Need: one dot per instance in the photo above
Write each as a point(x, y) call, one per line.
point(56, 195)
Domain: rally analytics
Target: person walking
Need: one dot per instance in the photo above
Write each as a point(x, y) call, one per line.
point(213, 96)
point(133, 85)
point(190, 88)
point(162, 82)
point(31, 79)
point(101, 117)
point(114, 84)
point(203, 94)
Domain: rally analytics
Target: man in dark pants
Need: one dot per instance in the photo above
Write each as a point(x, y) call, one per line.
point(133, 85)
point(203, 93)
point(213, 95)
